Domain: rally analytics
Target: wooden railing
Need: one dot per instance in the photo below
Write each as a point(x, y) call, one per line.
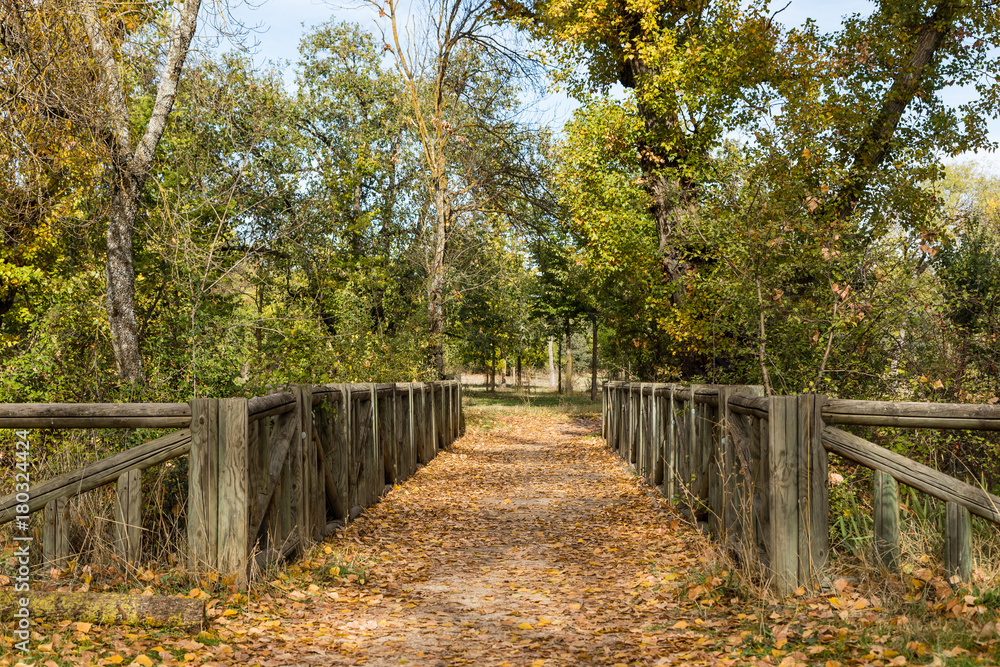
point(755, 468)
point(266, 475)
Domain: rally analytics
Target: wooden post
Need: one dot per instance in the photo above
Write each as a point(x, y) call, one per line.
point(715, 469)
point(461, 408)
point(692, 455)
point(958, 542)
point(885, 497)
point(453, 411)
point(783, 468)
point(203, 491)
point(813, 494)
point(234, 501)
point(457, 428)
point(658, 439)
point(55, 538)
point(671, 473)
point(726, 466)
point(760, 464)
point(639, 451)
point(301, 515)
point(128, 516)
point(433, 418)
point(743, 433)
point(350, 485)
point(604, 411)
point(409, 424)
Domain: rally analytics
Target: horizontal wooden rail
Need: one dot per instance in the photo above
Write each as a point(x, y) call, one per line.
point(99, 473)
point(913, 415)
point(926, 479)
point(747, 404)
point(270, 405)
point(95, 415)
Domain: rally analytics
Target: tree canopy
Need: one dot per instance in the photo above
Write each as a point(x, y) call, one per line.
point(734, 199)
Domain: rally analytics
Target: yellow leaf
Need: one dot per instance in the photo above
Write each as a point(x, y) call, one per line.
point(230, 612)
point(680, 625)
point(143, 660)
point(525, 626)
point(115, 659)
point(83, 627)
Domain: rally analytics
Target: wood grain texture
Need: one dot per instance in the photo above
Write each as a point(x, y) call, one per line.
point(885, 499)
point(95, 415)
point(279, 444)
point(99, 473)
point(783, 473)
point(55, 535)
point(926, 479)
point(958, 542)
point(128, 516)
point(203, 477)
point(234, 490)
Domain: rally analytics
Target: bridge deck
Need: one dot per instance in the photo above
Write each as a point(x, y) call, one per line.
point(527, 541)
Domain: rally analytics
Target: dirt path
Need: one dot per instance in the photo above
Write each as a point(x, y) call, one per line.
point(527, 544)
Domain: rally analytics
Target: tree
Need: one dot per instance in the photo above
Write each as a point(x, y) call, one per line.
point(130, 161)
point(459, 87)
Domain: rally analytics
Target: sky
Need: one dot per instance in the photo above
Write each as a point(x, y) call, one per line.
point(278, 25)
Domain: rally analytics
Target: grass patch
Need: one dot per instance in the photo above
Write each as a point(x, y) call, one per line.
point(484, 404)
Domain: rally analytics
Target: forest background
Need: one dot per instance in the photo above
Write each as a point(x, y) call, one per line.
point(735, 199)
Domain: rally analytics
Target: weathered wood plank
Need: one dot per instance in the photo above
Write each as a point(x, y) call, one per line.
point(55, 536)
point(271, 405)
point(234, 493)
point(783, 467)
point(279, 445)
point(913, 415)
point(670, 473)
point(814, 498)
point(94, 415)
point(909, 472)
point(203, 477)
point(885, 498)
point(298, 498)
point(99, 473)
point(958, 542)
point(128, 516)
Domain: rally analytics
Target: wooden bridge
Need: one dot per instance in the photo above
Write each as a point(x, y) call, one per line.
point(266, 476)
point(755, 468)
point(269, 475)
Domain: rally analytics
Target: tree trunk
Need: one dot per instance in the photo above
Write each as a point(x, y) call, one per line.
point(569, 360)
point(593, 359)
point(107, 609)
point(435, 292)
point(120, 275)
point(519, 383)
point(130, 167)
point(552, 367)
point(493, 368)
point(559, 365)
